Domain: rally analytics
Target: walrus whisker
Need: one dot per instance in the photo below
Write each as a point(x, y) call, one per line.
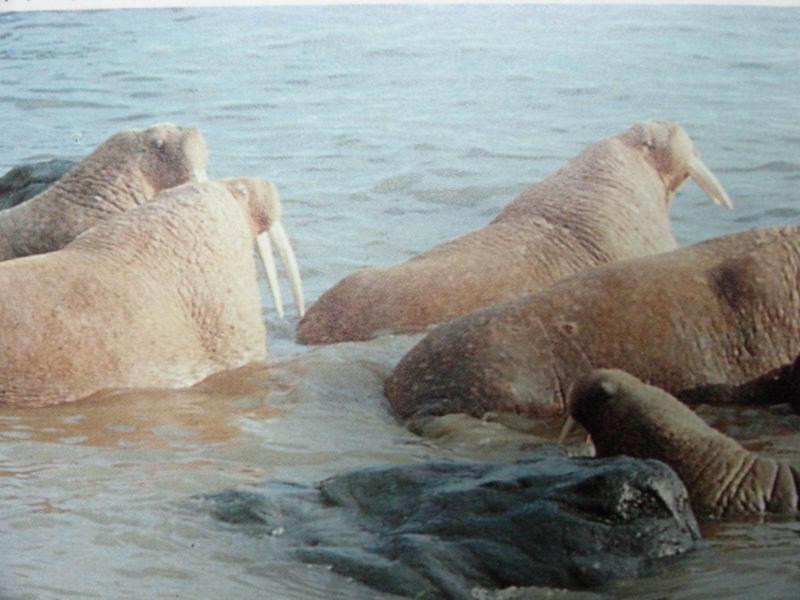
point(277, 235)
point(265, 250)
point(708, 182)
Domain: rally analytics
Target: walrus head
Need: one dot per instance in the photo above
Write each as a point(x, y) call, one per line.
point(172, 155)
point(668, 148)
point(160, 157)
point(624, 415)
point(261, 203)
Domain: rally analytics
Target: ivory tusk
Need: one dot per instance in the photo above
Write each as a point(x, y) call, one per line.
point(200, 175)
point(277, 235)
point(703, 176)
point(569, 424)
point(265, 249)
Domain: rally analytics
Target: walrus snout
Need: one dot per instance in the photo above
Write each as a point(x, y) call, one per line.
point(672, 153)
point(590, 395)
point(263, 206)
point(174, 155)
point(196, 151)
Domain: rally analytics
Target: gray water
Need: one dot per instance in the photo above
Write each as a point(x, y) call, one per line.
point(387, 130)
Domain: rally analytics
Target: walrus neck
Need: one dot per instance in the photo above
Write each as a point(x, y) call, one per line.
point(95, 192)
point(81, 199)
point(605, 182)
point(170, 238)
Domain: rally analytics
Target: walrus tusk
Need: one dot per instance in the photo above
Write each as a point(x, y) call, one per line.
point(277, 235)
point(265, 249)
point(200, 175)
point(569, 424)
point(703, 176)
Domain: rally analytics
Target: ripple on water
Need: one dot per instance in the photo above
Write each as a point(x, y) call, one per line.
point(751, 66)
point(136, 118)
point(40, 103)
point(469, 196)
point(773, 166)
point(395, 184)
point(577, 91)
point(52, 25)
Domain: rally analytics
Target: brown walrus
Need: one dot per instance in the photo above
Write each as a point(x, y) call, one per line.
point(609, 203)
point(159, 296)
point(700, 322)
point(625, 416)
point(125, 171)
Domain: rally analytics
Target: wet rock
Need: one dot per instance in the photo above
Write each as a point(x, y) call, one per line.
point(25, 181)
point(440, 530)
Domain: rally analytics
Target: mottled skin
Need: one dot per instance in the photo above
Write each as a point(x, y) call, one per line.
point(610, 202)
point(125, 171)
point(625, 416)
point(161, 296)
point(702, 321)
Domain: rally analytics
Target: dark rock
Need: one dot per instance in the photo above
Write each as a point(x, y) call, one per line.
point(25, 181)
point(438, 530)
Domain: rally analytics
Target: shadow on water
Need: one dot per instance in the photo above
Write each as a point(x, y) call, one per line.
point(153, 418)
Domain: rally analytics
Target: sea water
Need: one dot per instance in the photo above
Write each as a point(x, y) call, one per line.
point(387, 129)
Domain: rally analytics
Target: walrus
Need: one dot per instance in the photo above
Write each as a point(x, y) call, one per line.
point(159, 296)
point(623, 415)
point(127, 170)
point(701, 322)
point(610, 202)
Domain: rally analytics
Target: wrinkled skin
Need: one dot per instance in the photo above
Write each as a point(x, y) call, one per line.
point(700, 322)
point(125, 171)
point(625, 416)
point(610, 202)
point(159, 296)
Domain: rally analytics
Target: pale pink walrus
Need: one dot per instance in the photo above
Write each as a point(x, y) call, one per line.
point(127, 170)
point(159, 296)
point(609, 203)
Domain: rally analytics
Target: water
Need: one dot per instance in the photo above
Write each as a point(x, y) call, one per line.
point(387, 130)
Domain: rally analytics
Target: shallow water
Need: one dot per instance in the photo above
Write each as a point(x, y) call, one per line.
point(387, 129)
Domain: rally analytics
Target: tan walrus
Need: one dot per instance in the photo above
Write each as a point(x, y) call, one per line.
point(700, 322)
point(159, 296)
point(125, 171)
point(609, 203)
point(625, 416)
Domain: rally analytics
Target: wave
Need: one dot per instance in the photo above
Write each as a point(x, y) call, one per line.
point(50, 102)
point(773, 166)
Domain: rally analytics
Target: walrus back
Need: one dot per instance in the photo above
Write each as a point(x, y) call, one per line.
point(162, 295)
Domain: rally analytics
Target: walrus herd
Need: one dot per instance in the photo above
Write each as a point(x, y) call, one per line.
point(140, 272)
point(134, 270)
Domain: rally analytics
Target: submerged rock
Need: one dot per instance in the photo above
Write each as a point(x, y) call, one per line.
point(440, 530)
point(25, 181)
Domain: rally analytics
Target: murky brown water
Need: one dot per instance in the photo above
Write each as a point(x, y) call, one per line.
point(98, 497)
